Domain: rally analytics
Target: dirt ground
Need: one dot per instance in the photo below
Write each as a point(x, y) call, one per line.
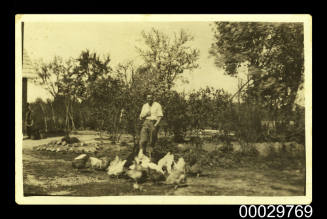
point(49, 173)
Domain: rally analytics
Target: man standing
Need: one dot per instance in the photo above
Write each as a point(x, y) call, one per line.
point(152, 113)
point(29, 121)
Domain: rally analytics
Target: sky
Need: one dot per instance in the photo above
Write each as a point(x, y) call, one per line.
point(45, 40)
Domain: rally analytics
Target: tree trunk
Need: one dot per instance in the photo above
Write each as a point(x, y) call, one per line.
point(72, 120)
point(67, 117)
point(82, 119)
point(53, 116)
point(70, 115)
point(44, 118)
point(116, 126)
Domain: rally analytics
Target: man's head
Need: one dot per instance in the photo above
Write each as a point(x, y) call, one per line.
point(149, 99)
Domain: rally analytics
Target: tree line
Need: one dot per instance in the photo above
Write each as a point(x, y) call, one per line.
point(89, 93)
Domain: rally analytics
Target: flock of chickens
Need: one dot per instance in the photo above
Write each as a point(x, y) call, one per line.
point(166, 170)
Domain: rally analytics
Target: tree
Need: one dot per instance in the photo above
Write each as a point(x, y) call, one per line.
point(134, 80)
point(106, 105)
point(166, 58)
point(101, 90)
point(127, 73)
point(43, 113)
point(198, 108)
point(58, 78)
point(52, 115)
point(273, 53)
point(220, 104)
point(72, 79)
point(48, 75)
point(89, 69)
point(177, 118)
point(39, 115)
point(209, 107)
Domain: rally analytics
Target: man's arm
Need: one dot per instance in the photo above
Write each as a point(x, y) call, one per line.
point(144, 113)
point(159, 115)
point(158, 121)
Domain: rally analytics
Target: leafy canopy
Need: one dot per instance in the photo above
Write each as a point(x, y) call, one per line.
point(273, 53)
point(165, 57)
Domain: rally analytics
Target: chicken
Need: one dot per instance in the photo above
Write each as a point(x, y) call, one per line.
point(195, 169)
point(99, 164)
point(166, 161)
point(143, 168)
point(95, 163)
point(142, 160)
point(177, 174)
point(105, 162)
point(155, 176)
point(116, 167)
point(176, 178)
point(80, 161)
point(180, 165)
point(145, 163)
point(137, 187)
point(135, 171)
point(156, 167)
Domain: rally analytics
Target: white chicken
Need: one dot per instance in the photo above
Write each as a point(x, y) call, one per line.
point(146, 163)
point(142, 160)
point(180, 165)
point(136, 172)
point(156, 167)
point(167, 161)
point(177, 175)
point(95, 163)
point(116, 167)
point(98, 164)
point(142, 167)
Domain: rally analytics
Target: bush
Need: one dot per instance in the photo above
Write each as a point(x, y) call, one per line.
point(176, 119)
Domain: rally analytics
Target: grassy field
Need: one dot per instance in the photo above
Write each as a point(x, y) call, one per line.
point(49, 173)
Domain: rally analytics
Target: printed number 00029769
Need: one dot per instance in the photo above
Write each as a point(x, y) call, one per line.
point(272, 211)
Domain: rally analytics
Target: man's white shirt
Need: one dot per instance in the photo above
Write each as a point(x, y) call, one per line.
point(155, 110)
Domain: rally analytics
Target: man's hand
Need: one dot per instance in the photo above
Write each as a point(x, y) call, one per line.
point(147, 114)
point(157, 123)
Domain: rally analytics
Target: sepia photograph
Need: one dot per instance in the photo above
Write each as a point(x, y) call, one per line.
point(163, 109)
